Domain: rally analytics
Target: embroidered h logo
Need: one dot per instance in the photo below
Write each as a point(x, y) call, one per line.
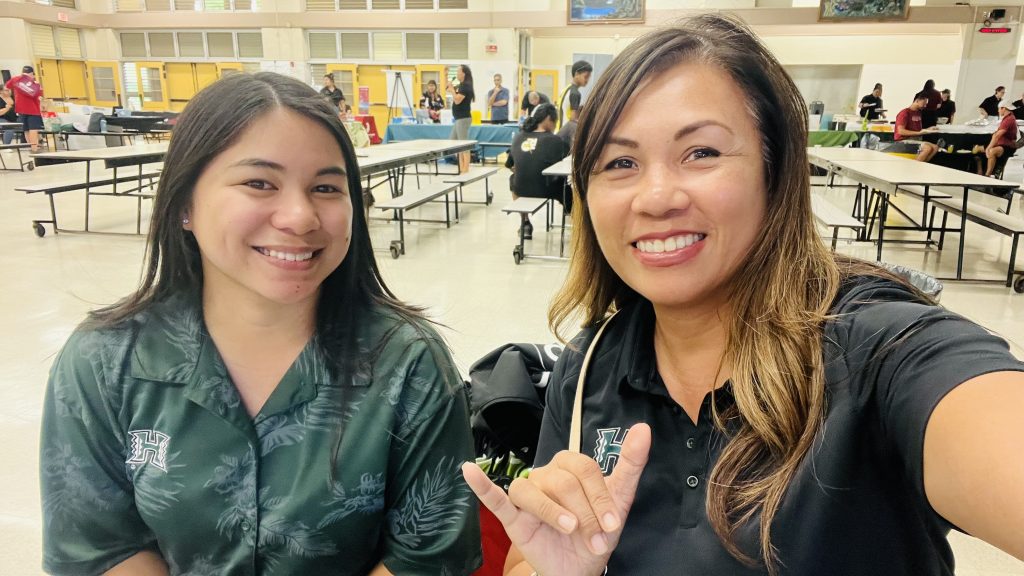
point(149, 446)
point(609, 445)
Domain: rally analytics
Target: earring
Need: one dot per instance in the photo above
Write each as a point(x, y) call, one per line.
point(185, 220)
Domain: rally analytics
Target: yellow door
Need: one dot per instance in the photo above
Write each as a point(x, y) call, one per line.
point(206, 74)
point(152, 85)
point(103, 83)
point(373, 78)
point(345, 78)
point(545, 82)
point(181, 84)
point(425, 73)
point(224, 68)
point(72, 78)
point(49, 77)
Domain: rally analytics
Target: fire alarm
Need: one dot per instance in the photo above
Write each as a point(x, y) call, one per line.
point(491, 48)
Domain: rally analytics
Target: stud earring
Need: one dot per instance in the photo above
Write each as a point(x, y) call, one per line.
point(185, 220)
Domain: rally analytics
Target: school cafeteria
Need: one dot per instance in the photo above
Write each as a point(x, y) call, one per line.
point(523, 288)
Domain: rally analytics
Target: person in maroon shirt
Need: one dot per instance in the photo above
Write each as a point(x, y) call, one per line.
point(27, 95)
point(908, 124)
point(1004, 140)
point(930, 113)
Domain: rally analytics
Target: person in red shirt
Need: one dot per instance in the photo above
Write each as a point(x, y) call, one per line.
point(27, 96)
point(1005, 137)
point(908, 124)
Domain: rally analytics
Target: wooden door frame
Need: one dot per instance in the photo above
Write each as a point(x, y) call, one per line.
point(91, 87)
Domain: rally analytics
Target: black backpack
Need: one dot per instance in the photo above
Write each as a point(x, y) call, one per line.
point(507, 388)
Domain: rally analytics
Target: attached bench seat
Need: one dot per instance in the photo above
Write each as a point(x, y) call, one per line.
point(415, 199)
point(1005, 224)
point(16, 147)
point(474, 175)
point(524, 207)
point(833, 217)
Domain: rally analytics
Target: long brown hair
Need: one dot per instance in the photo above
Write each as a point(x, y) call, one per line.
point(210, 124)
point(779, 297)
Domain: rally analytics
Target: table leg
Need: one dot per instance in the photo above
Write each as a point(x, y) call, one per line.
point(883, 199)
point(88, 180)
point(963, 229)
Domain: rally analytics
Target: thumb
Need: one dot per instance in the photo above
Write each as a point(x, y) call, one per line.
point(625, 478)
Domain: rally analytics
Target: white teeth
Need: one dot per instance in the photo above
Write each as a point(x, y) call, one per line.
point(669, 244)
point(286, 256)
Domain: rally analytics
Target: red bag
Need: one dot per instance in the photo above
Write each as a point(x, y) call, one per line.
point(27, 86)
point(495, 544)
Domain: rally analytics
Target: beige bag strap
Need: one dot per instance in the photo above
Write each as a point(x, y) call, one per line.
point(576, 428)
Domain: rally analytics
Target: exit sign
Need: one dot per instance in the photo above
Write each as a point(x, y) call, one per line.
point(991, 30)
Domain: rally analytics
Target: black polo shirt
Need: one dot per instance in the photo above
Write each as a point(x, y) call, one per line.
point(463, 110)
point(856, 504)
point(870, 107)
point(990, 105)
point(530, 154)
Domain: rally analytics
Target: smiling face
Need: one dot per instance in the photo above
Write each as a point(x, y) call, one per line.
point(679, 197)
point(271, 214)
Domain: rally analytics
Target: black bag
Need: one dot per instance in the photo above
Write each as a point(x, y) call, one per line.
point(507, 398)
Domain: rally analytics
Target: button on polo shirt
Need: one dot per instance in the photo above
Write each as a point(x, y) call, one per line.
point(856, 505)
point(147, 446)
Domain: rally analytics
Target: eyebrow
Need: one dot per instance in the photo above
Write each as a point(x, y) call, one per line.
point(260, 163)
point(680, 134)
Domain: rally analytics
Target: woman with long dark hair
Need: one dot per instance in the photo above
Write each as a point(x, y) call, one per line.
point(535, 148)
point(262, 403)
point(462, 99)
point(930, 113)
point(432, 102)
point(742, 401)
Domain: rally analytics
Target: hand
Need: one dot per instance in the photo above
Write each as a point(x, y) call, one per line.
point(553, 516)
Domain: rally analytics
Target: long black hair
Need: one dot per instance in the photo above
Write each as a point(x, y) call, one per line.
point(540, 113)
point(469, 78)
point(210, 124)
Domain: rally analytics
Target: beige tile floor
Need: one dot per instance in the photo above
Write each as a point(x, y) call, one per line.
point(466, 276)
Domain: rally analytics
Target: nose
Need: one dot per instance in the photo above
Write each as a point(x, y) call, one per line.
point(296, 212)
point(662, 191)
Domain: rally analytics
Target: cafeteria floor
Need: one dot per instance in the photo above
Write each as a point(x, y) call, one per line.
point(465, 276)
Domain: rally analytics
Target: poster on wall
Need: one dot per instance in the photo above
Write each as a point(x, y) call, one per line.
point(846, 10)
point(606, 11)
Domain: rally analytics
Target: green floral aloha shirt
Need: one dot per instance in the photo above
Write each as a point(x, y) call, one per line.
point(147, 446)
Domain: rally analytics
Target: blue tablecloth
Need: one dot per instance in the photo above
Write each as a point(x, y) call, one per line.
point(481, 133)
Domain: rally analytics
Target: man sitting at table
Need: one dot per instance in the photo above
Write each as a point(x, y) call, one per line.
point(989, 106)
point(908, 125)
point(1004, 140)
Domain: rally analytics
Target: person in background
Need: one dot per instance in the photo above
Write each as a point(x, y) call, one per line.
point(581, 72)
point(7, 113)
point(432, 102)
point(947, 109)
point(871, 105)
point(28, 96)
point(1018, 108)
point(930, 113)
point(990, 106)
point(740, 400)
point(531, 100)
point(1004, 140)
point(263, 403)
point(497, 102)
point(332, 92)
point(908, 125)
point(462, 100)
point(568, 133)
point(533, 149)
